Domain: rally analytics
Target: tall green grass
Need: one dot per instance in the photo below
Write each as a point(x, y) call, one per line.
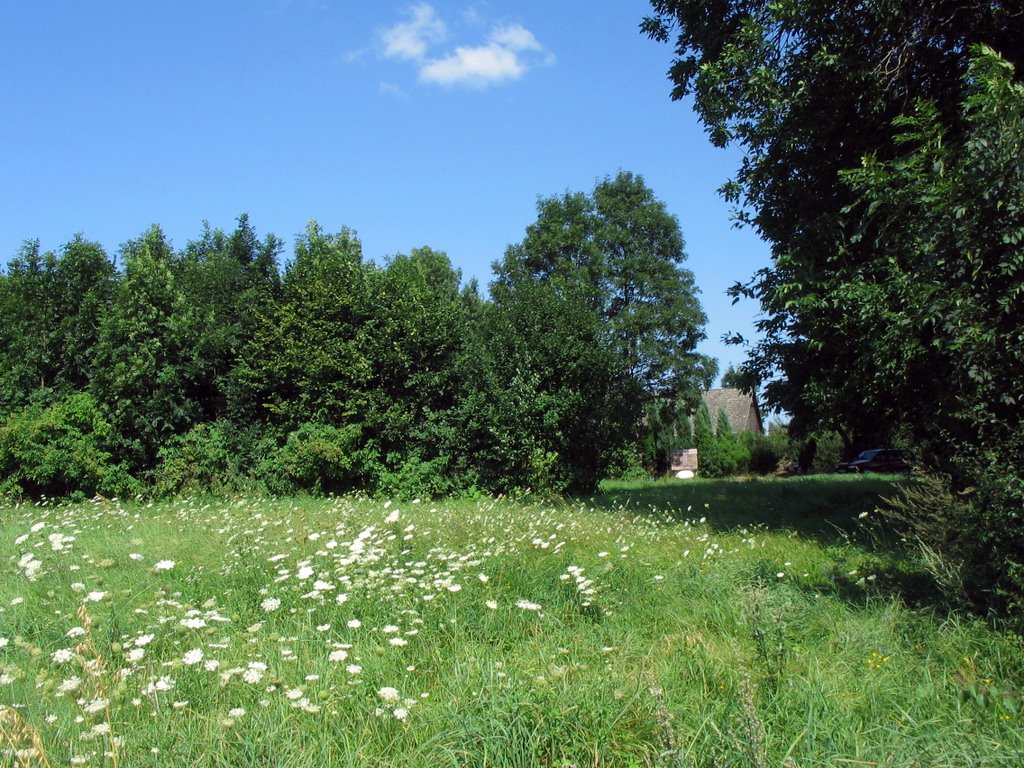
point(673, 624)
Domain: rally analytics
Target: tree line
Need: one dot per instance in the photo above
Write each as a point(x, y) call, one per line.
point(212, 368)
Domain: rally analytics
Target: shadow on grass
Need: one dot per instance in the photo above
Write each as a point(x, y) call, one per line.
point(822, 506)
point(825, 508)
point(916, 588)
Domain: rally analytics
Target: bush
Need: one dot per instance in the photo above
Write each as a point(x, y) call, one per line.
point(413, 477)
point(200, 461)
point(321, 459)
point(971, 540)
point(766, 451)
point(60, 450)
point(992, 536)
point(629, 463)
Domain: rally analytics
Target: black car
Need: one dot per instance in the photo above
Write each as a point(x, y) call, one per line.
point(878, 460)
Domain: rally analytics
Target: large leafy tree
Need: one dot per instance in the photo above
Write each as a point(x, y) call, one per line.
point(416, 339)
point(25, 356)
point(621, 252)
point(950, 217)
point(806, 88)
point(618, 254)
point(882, 145)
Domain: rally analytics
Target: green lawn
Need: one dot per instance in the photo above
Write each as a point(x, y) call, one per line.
point(672, 624)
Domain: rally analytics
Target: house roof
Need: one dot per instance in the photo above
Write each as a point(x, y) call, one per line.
point(740, 407)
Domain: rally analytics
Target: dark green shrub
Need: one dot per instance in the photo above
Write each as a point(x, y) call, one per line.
point(629, 463)
point(972, 540)
point(766, 451)
point(200, 461)
point(60, 450)
point(412, 477)
point(733, 454)
point(710, 462)
point(321, 459)
point(994, 539)
point(665, 428)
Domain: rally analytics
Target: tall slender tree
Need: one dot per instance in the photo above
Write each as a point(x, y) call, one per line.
point(140, 371)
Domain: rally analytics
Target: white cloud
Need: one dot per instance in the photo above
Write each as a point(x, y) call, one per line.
point(516, 38)
point(477, 67)
point(392, 90)
point(410, 39)
point(509, 51)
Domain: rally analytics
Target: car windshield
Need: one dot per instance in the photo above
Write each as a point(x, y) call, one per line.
point(867, 454)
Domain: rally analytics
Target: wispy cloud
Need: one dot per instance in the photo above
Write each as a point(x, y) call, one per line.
point(393, 90)
point(411, 39)
point(508, 52)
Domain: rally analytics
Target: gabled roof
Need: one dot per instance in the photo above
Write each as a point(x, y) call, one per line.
point(740, 407)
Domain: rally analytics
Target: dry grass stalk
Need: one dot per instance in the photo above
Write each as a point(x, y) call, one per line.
point(94, 666)
point(20, 740)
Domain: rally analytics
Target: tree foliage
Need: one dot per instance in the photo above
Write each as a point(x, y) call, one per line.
point(950, 216)
point(597, 315)
point(881, 159)
point(51, 305)
point(559, 400)
point(621, 252)
point(141, 368)
point(806, 88)
point(307, 360)
point(209, 370)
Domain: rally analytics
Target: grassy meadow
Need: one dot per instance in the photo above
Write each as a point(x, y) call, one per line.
point(725, 623)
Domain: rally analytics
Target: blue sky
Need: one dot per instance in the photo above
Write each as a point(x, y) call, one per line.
point(412, 123)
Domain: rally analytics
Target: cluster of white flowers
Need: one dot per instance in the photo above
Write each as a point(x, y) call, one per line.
point(270, 604)
point(584, 586)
